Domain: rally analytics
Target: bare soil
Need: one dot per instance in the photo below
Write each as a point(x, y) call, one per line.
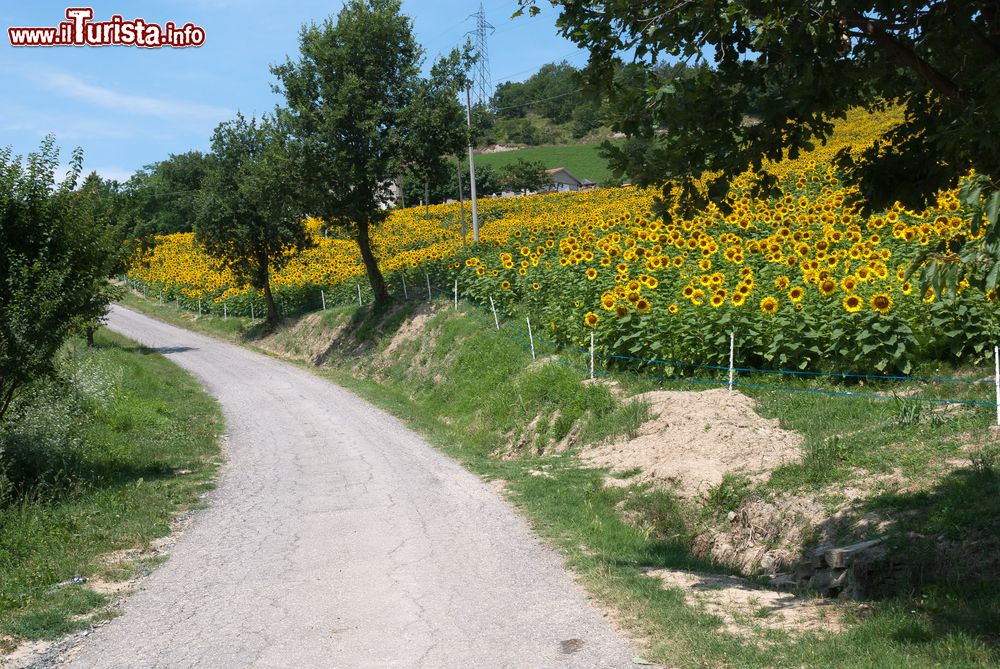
point(694, 438)
point(745, 608)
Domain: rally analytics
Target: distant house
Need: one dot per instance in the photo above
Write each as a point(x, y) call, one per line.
point(563, 181)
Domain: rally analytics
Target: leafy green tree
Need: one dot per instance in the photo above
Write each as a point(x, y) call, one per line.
point(161, 198)
point(57, 251)
point(346, 98)
point(524, 175)
point(794, 66)
point(434, 124)
point(246, 211)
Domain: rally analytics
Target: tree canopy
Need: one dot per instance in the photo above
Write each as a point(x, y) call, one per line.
point(780, 71)
point(246, 206)
point(57, 251)
point(346, 100)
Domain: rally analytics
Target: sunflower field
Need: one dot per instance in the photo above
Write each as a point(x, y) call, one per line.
point(805, 279)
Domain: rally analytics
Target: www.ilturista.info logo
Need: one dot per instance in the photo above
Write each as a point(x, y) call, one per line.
point(81, 30)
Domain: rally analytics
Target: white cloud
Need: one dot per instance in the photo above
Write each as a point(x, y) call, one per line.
point(126, 102)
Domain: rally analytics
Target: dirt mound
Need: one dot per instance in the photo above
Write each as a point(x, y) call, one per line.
point(695, 438)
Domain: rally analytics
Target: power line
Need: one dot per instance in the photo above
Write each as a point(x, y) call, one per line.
point(533, 102)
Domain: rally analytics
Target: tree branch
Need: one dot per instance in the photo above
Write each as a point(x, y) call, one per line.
point(905, 55)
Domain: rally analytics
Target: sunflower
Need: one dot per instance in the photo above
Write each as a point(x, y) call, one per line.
point(739, 299)
point(906, 288)
point(608, 301)
point(796, 293)
point(849, 283)
point(781, 283)
point(769, 305)
point(827, 287)
point(621, 311)
point(643, 306)
point(590, 319)
point(673, 309)
point(718, 300)
point(882, 303)
point(505, 285)
point(591, 274)
point(852, 303)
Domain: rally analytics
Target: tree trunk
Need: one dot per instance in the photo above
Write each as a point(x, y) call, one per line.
point(371, 266)
point(90, 336)
point(265, 278)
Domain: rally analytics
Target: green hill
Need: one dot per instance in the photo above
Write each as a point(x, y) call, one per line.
point(582, 160)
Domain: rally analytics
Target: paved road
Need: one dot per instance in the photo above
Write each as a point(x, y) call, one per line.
point(339, 538)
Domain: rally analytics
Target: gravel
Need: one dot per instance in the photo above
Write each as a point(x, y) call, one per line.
point(338, 537)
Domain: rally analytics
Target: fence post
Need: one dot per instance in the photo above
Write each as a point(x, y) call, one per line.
point(359, 295)
point(494, 308)
point(530, 337)
point(456, 294)
point(199, 306)
point(591, 356)
point(406, 295)
point(322, 295)
point(225, 312)
point(161, 298)
point(252, 317)
point(428, 277)
point(732, 350)
point(996, 378)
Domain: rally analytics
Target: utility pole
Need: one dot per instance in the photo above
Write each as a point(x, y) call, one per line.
point(461, 198)
point(472, 170)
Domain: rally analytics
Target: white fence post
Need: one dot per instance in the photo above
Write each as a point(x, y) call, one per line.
point(359, 295)
point(199, 306)
point(406, 294)
point(456, 294)
point(732, 351)
point(322, 296)
point(591, 356)
point(428, 277)
point(494, 308)
point(996, 378)
point(225, 312)
point(531, 338)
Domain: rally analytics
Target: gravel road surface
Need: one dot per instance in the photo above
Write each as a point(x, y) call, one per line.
point(339, 538)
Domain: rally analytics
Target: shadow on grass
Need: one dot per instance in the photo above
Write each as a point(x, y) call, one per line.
point(35, 468)
point(942, 554)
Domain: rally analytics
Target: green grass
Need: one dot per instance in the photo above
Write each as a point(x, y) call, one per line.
point(470, 389)
point(99, 462)
point(582, 160)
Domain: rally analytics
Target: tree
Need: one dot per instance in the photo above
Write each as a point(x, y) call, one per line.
point(524, 175)
point(794, 66)
point(434, 121)
point(161, 198)
point(56, 254)
point(346, 98)
point(246, 215)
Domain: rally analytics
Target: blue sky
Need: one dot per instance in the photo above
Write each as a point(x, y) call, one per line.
point(128, 107)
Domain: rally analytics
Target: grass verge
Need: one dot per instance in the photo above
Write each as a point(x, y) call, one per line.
point(472, 390)
point(97, 461)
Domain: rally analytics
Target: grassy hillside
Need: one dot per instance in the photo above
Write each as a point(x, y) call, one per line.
point(582, 160)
